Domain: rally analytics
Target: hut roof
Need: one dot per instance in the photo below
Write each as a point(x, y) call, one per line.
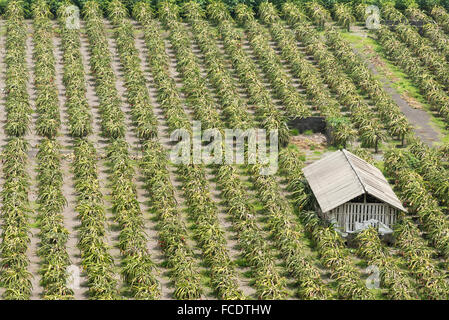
point(342, 176)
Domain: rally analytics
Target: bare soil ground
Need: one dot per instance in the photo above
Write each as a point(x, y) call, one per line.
point(3, 136)
point(225, 224)
point(310, 143)
point(72, 223)
point(224, 220)
point(173, 176)
point(163, 135)
point(314, 141)
point(100, 144)
point(261, 221)
point(154, 250)
point(33, 139)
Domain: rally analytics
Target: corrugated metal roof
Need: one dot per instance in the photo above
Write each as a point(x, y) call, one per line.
point(342, 176)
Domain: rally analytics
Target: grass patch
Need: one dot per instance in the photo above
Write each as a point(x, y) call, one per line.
point(380, 165)
point(308, 132)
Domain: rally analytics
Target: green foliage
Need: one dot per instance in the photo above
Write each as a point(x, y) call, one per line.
point(3, 4)
point(404, 4)
point(400, 4)
point(444, 3)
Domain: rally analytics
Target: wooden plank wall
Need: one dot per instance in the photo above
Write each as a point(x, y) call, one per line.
point(349, 213)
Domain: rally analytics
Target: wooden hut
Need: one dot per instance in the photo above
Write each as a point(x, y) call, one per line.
point(351, 193)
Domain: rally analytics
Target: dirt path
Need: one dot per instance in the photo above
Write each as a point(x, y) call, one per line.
point(33, 140)
point(164, 138)
point(163, 129)
point(246, 46)
point(71, 221)
point(251, 109)
point(172, 63)
point(131, 137)
point(224, 221)
point(418, 117)
point(244, 175)
point(3, 136)
point(100, 144)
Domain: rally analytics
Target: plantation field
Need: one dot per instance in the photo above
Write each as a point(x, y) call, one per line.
point(93, 207)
